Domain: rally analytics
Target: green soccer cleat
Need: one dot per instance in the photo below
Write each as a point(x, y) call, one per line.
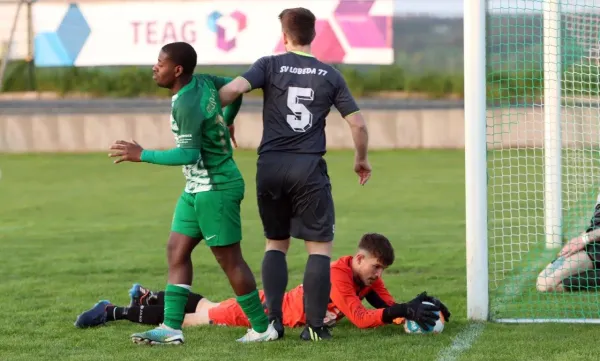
point(159, 336)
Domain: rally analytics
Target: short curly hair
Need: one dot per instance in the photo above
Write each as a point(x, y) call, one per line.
point(378, 246)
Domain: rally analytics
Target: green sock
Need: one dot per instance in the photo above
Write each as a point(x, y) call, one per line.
point(254, 310)
point(175, 300)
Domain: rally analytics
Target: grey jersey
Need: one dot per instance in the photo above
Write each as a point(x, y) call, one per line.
point(299, 92)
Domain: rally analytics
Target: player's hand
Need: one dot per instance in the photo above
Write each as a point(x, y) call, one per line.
point(232, 135)
point(421, 297)
point(127, 151)
point(424, 315)
point(363, 170)
point(573, 246)
point(443, 309)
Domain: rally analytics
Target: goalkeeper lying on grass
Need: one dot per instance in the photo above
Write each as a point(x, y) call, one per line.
point(352, 279)
point(577, 267)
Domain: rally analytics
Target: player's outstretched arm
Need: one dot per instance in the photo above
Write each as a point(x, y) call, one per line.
point(174, 156)
point(133, 152)
point(379, 297)
point(343, 296)
point(233, 90)
point(254, 78)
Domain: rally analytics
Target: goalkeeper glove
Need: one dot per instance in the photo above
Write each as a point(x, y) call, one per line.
point(414, 310)
point(440, 305)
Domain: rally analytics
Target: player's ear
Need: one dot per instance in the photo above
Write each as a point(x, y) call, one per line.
point(359, 258)
point(178, 71)
point(285, 39)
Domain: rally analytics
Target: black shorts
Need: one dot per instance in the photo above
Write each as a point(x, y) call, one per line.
point(294, 197)
point(593, 248)
point(593, 252)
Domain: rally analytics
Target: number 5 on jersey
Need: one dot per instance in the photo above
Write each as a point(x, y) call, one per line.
point(301, 119)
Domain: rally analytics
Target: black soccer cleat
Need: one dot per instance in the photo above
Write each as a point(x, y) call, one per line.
point(315, 333)
point(278, 326)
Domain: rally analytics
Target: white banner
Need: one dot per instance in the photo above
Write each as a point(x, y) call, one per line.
point(223, 32)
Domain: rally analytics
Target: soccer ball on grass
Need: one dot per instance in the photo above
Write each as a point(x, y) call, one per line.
point(413, 327)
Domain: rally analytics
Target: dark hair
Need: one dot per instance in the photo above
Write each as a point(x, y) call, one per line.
point(378, 246)
point(299, 25)
point(183, 54)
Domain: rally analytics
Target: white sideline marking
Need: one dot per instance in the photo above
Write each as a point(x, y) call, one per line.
point(462, 342)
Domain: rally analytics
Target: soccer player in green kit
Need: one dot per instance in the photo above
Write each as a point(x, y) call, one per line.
point(209, 207)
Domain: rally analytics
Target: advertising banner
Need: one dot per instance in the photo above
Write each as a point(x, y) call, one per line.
point(222, 32)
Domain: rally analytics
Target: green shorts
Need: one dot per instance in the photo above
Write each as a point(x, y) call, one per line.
point(213, 216)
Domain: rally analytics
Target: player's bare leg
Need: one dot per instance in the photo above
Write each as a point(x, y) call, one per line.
point(200, 316)
point(317, 287)
point(243, 283)
point(275, 280)
point(179, 255)
point(552, 277)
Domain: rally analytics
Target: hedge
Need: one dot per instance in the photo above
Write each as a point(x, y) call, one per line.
point(137, 81)
point(503, 86)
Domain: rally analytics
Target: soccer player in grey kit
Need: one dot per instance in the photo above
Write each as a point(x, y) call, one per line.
point(292, 183)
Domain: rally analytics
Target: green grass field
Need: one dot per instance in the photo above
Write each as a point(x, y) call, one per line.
point(75, 229)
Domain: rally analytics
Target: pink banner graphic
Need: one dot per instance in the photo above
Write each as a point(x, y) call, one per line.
point(352, 28)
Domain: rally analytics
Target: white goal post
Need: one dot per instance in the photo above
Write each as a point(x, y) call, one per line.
point(475, 159)
point(532, 152)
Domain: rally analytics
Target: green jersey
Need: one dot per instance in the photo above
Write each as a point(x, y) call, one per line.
point(197, 123)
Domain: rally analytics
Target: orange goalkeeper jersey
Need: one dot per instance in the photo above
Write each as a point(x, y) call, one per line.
point(345, 299)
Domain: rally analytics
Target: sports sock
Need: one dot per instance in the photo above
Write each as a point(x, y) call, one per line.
point(275, 279)
point(253, 309)
point(190, 306)
point(175, 299)
point(317, 286)
point(114, 313)
point(148, 315)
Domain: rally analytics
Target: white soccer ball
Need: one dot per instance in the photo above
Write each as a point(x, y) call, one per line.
point(413, 327)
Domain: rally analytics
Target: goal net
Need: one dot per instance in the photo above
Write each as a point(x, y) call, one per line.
point(542, 154)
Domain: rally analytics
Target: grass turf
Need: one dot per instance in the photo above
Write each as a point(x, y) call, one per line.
point(75, 229)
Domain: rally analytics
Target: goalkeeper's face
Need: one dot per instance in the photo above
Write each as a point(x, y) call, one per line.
point(369, 268)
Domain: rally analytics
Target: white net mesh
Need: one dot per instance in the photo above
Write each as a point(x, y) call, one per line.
point(516, 156)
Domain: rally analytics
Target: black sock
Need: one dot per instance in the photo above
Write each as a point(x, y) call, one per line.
point(190, 306)
point(114, 313)
point(275, 279)
point(147, 315)
point(317, 286)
